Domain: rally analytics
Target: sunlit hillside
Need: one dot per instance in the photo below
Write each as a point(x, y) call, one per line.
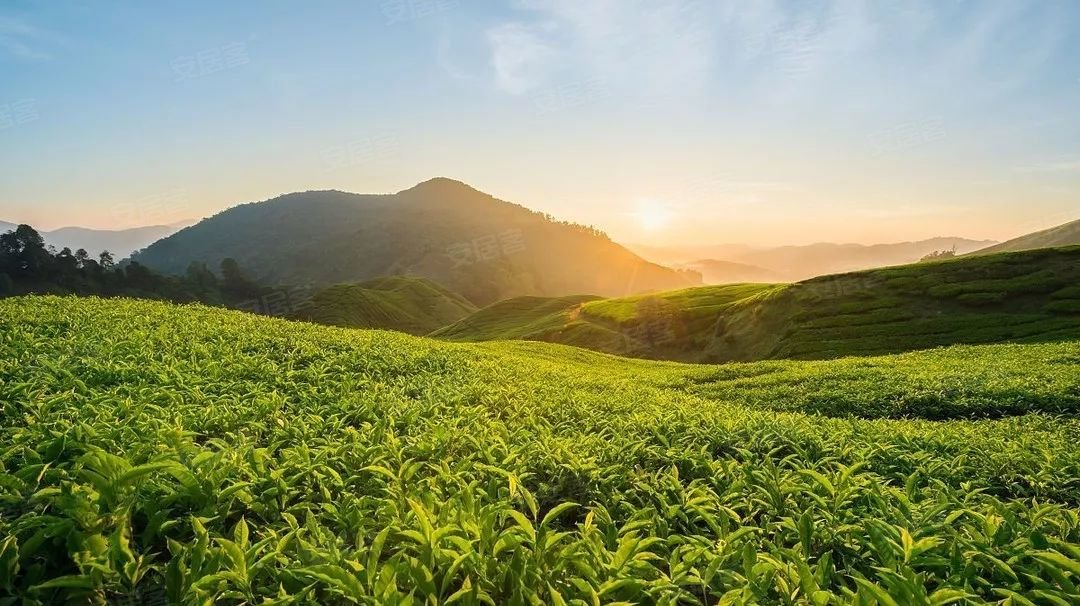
point(1015, 297)
point(412, 305)
point(481, 247)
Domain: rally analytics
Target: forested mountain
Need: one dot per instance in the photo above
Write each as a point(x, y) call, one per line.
point(1062, 235)
point(466, 240)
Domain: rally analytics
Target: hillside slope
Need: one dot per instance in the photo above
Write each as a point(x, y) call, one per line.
point(553, 319)
point(413, 305)
point(159, 453)
point(484, 248)
point(1062, 235)
point(1015, 297)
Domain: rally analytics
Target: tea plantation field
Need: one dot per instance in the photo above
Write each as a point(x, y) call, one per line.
point(409, 304)
point(154, 453)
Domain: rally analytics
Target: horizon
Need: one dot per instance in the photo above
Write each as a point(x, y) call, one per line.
point(182, 223)
point(191, 221)
point(660, 123)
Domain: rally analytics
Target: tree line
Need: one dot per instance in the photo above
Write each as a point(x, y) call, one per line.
point(29, 266)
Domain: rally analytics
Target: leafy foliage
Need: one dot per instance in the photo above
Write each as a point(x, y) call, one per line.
point(27, 265)
point(409, 304)
point(531, 318)
point(221, 457)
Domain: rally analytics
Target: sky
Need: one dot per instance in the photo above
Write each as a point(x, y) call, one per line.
point(661, 121)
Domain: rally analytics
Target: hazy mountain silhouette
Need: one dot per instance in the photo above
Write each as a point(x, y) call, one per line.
point(683, 254)
point(1062, 235)
point(484, 248)
point(120, 242)
point(791, 263)
point(714, 271)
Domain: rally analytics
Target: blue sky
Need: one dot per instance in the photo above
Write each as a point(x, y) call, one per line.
point(660, 121)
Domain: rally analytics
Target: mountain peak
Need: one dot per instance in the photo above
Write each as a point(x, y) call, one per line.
point(441, 185)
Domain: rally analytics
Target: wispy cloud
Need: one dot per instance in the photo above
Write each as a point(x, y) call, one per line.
point(790, 48)
point(628, 44)
point(22, 40)
point(520, 55)
point(670, 47)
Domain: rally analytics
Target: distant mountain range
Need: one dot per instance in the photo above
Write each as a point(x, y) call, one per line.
point(484, 248)
point(1062, 235)
point(741, 263)
point(714, 271)
point(120, 242)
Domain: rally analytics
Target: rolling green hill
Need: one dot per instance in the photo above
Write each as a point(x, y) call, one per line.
point(1062, 235)
point(413, 305)
point(532, 318)
point(1016, 297)
point(155, 452)
point(609, 325)
point(479, 246)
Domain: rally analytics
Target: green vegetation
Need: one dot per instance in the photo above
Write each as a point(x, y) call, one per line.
point(220, 457)
point(1022, 297)
point(530, 318)
point(413, 305)
point(29, 266)
point(483, 248)
point(693, 303)
point(988, 299)
point(1062, 235)
point(623, 325)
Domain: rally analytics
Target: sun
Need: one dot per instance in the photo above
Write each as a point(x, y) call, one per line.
point(653, 215)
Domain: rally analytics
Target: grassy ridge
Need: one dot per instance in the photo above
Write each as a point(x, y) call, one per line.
point(1067, 234)
point(1014, 297)
point(409, 304)
point(620, 325)
point(520, 317)
point(1021, 297)
point(693, 303)
point(215, 456)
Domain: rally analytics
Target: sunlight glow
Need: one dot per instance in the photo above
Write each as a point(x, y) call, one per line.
point(653, 215)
